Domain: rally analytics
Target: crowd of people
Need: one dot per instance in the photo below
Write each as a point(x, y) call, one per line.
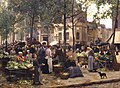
point(40, 54)
point(44, 56)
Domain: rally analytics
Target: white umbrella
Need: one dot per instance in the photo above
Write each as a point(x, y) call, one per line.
point(54, 43)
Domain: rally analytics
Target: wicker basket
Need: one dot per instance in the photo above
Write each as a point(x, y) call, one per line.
point(64, 75)
point(57, 68)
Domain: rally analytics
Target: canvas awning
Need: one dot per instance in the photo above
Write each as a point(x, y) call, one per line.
point(117, 38)
point(54, 43)
point(102, 43)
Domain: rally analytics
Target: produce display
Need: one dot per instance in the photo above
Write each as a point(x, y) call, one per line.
point(83, 54)
point(96, 54)
point(7, 56)
point(1, 55)
point(103, 57)
point(19, 65)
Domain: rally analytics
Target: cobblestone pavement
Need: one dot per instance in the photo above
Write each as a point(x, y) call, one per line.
point(90, 78)
point(51, 81)
point(106, 85)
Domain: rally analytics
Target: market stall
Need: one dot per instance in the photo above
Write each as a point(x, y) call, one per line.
point(82, 58)
point(19, 69)
point(104, 60)
point(4, 59)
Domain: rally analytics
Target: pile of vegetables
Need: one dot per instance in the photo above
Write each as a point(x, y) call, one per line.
point(83, 54)
point(19, 65)
point(7, 56)
point(102, 57)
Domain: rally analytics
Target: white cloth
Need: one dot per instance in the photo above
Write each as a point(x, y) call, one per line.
point(49, 55)
point(50, 65)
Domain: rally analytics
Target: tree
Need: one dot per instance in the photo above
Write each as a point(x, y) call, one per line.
point(46, 12)
point(113, 13)
point(5, 22)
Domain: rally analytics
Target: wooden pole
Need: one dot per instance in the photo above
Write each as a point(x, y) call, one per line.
point(115, 64)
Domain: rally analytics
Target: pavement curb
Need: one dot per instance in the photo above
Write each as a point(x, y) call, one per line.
point(87, 83)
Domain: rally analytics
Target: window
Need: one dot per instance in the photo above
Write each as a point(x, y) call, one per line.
point(77, 36)
point(60, 36)
point(67, 36)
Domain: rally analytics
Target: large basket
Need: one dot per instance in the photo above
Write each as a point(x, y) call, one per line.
point(57, 69)
point(64, 75)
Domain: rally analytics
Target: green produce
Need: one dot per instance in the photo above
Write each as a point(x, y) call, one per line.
point(21, 65)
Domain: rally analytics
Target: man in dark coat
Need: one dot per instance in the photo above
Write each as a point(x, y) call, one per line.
point(59, 54)
point(41, 58)
point(41, 53)
point(37, 70)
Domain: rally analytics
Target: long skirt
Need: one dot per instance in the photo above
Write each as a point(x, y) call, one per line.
point(45, 69)
point(50, 67)
point(75, 71)
point(90, 63)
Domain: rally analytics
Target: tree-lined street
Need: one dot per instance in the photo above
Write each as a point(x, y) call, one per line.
point(51, 43)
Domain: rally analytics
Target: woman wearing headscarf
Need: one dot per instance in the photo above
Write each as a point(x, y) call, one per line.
point(20, 57)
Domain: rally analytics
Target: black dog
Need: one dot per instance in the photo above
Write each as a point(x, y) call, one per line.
point(102, 75)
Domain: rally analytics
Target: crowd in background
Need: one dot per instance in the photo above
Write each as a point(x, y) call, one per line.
point(47, 55)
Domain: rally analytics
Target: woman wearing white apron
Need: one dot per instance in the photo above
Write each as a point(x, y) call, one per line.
point(49, 58)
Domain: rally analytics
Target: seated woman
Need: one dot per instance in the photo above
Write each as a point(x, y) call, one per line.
point(71, 60)
point(20, 56)
point(71, 65)
point(29, 56)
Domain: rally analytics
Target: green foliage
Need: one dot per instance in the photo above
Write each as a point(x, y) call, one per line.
point(111, 12)
point(5, 22)
point(44, 11)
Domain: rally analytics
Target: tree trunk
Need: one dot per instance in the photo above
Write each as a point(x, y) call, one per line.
point(115, 64)
point(73, 25)
point(13, 37)
point(32, 27)
point(65, 28)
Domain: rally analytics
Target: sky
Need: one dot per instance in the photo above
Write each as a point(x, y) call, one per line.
point(92, 10)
